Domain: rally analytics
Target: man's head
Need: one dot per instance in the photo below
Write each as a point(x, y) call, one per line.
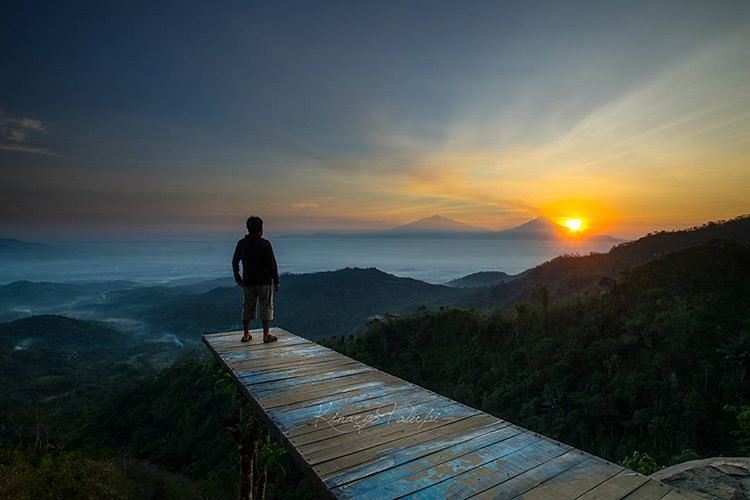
point(254, 226)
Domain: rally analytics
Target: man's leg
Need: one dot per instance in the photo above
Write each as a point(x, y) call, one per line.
point(266, 308)
point(266, 326)
point(249, 298)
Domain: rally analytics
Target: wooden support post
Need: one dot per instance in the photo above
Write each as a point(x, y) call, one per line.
point(260, 470)
point(247, 438)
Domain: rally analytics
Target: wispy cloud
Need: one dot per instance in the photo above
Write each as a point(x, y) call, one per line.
point(15, 133)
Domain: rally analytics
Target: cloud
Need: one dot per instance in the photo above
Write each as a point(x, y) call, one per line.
point(15, 133)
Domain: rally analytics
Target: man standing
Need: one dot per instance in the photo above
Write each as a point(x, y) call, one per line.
point(260, 277)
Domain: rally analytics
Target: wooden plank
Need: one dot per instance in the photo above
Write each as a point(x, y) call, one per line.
point(574, 482)
point(221, 336)
point(355, 420)
point(258, 366)
point(336, 401)
point(218, 338)
point(376, 398)
point(248, 375)
point(650, 490)
point(233, 339)
point(677, 494)
point(320, 396)
point(503, 468)
point(352, 443)
point(250, 369)
point(371, 478)
point(283, 373)
point(390, 424)
point(444, 470)
point(266, 388)
point(281, 354)
point(302, 374)
point(349, 382)
point(259, 346)
point(348, 377)
point(293, 416)
point(617, 486)
point(511, 488)
point(327, 469)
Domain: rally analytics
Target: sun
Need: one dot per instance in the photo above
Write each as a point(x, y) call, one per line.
point(573, 225)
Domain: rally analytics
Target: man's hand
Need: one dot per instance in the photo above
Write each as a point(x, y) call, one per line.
point(238, 280)
point(276, 287)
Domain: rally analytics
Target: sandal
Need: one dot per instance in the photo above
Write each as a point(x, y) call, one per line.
point(248, 339)
point(270, 338)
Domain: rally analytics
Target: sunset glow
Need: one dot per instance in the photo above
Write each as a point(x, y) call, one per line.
point(573, 225)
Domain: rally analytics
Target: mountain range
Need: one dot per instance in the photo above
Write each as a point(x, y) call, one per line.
point(437, 226)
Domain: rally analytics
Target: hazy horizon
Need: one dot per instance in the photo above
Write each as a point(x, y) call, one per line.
point(270, 232)
point(161, 262)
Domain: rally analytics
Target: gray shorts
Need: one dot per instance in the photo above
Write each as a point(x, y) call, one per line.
point(261, 295)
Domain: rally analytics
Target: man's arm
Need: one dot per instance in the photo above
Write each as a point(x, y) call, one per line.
point(236, 264)
point(274, 267)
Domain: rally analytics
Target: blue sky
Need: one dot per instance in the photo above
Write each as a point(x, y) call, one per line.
point(184, 117)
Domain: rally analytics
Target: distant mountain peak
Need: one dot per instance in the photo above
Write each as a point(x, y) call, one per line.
point(438, 223)
point(542, 228)
point(539, 223)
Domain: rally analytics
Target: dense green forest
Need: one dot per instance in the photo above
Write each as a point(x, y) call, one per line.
point(656, 362)
point(100, 427)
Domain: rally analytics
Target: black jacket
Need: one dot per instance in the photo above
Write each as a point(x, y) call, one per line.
point(258, 262)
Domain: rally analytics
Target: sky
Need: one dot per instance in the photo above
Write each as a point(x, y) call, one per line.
point(120, 119)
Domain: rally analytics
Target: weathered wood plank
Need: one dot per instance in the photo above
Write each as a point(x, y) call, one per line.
point(320, 396)
point(617, 486)
point(676, 494)
point(574, 482)
point(259, 346)
point(219, 340)
point(514, 486)
point(477, 479)
point(392, 425)
point(373, 398)
point(301, 382)
point(264, 376)
point(350, 420)
point(281, 353)
point(382, 435)
point(342, 384)
point(257, 366)
point(327, 469)
point(371, 478)
point(650, 490)
point(306, 379)
point(302, 413)
point(445, 470)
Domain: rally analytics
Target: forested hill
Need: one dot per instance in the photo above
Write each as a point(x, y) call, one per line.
point(571, 274)
point(58, 333)
point(482, 279)
point(311, 305)
point(658, 364)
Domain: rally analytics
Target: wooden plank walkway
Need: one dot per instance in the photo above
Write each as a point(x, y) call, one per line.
point(363, 433)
